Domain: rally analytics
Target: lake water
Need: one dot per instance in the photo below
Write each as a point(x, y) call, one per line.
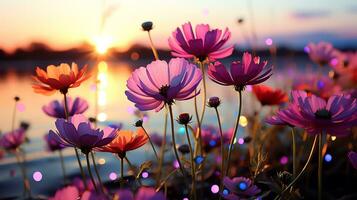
point(113, 107)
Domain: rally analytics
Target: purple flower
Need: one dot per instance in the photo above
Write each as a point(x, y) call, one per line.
point(161, 83)
point(248, 72)
point(79, 184)
point(69, 192)
point(53, 145)
point(77, 132)
point(156, 139)
point(352, 156)
point(322, 53)
point(336, 116)
point(239, 188)
point(56, 109)
point(12, 140)
point(204, 44)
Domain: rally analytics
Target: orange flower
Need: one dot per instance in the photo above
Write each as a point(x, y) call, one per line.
point(268, 96)
point(126, 141)
point(60, 78)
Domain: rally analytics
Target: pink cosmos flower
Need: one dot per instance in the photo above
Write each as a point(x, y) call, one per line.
point(248, 72)
point(352, 156)
point(144, 193)
point(12, 140)
point(77, 132)
point(67, 193)
point(345, 73)
point(205, 43)
point(161, 83)
point(239, 188)
point(336, 116)
point(56, 109)
point(322, 53)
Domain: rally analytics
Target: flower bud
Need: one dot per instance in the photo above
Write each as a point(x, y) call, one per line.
point(184, 149)
point(147, 26)
point(213, 102)
point(139, 123)
point(16, 98)
point(184, 118)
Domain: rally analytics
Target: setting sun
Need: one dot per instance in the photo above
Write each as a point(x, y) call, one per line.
point(102, 43)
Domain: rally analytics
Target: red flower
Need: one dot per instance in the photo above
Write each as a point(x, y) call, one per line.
point(60, 78)
point(269, 96)
point(126, 141)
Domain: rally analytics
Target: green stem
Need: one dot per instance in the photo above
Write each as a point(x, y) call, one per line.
point(294, 151)
point(319, 176)
point(152, 145)
point(63, 166)
point(302, 171)
point(75, 149)
point(97, 172)
point(192, 165)
point(26, 182)
point(230, 147)
point(202, 66)
point(174, 141)
point(156, 55)
point(90, 173)
point(222, 147)
point(163, 145)
point(121, 173)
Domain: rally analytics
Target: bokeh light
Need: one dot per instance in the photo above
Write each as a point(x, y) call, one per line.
point(215, 189)
point(21, 107)
point(176, 164)
point(269, 41)
point(145, 174)
point(37, 176)
point(240, 141)
point(333, 138)
point(102, 117)
point(101, 161)
point(243, 121)
point(328, 157)
point(113, 176)
point(243, 186)
point(225, 192)
point(284, 160)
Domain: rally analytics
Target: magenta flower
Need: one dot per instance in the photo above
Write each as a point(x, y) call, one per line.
point(248, 72)
point(210, 138)
point(66, 193)
point(79, 184)
point(204, 44)
point(156, 139)
point(56, 109)
point(91, 195)
point(77, 132)
point(352, 156)
point(161, 83)
point(53, 145)
point(239, 188)
point(12, 140)
point(322, 53)
point(336, 116)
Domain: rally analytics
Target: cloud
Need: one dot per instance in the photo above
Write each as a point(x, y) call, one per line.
point(310, 14)
point(352, 9)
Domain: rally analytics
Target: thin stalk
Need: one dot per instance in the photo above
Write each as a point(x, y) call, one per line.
point(75, 149)
point(230, 147)
point(27, 189)
point(198, 134)
point(152, 145)
point(319, 176)
point(165, 180)
point(13, 117)
point(202, 66)
point(97, 172)
point(62, 166)
point(174, 141)
point(222, 146)
point(294, 151)
point(192, 165)
point(302, 171)
point(121, 172)
point(156, 55)
point(90, 173)
point(163, 145)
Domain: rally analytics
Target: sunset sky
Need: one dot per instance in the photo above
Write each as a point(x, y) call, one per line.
point(67, 23)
